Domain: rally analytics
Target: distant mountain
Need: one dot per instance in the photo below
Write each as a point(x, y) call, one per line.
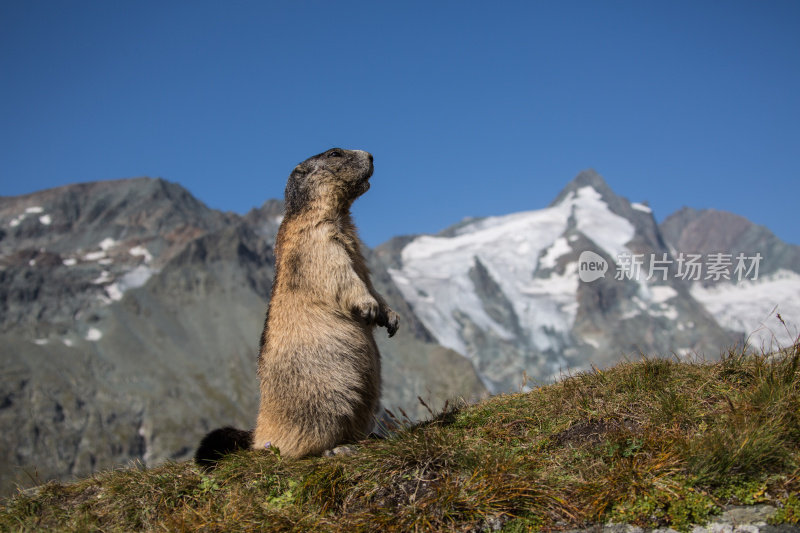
point(507, 292)
point(130, 321)
point(750, 304)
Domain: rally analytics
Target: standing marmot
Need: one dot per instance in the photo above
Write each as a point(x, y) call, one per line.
point(319, 364)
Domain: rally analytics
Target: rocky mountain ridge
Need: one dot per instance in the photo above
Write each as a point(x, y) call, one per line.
point(131, 315)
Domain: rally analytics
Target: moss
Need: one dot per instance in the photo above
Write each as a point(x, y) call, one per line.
point(692, 508)
point(743, 491)
point(789, 511)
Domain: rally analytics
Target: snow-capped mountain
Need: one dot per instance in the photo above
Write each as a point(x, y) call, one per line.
point(507, 290)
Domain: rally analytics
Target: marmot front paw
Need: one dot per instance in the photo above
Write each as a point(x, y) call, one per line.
point(388, 319)
point(368, 310)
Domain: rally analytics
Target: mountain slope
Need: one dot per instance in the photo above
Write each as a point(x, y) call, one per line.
point(650, 444)
point(131, 315)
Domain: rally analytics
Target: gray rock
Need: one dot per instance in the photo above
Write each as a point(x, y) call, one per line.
point(735, 519)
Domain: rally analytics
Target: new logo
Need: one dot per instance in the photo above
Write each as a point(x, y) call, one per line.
point(591, 266)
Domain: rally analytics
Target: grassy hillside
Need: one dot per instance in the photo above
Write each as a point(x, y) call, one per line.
point(651, 443)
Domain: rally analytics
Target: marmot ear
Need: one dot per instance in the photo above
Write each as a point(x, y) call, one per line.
point(296, 193)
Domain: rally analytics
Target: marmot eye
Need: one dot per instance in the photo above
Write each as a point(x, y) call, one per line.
point(335, 153)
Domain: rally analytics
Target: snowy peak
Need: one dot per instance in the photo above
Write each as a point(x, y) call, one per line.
point(638, 214)
point(586, 178)
point(507, 292)
point(591, 179)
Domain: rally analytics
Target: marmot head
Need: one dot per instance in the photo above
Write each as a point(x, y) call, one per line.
point(332, 180)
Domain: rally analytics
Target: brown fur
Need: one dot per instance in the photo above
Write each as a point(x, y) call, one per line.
point(319, 364)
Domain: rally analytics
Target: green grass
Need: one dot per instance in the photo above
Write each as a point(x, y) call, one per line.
point(651, 443)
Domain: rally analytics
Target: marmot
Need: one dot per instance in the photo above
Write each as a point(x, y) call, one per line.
point(319, 365)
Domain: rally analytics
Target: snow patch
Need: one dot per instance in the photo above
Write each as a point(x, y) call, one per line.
point(141, 251)
point(70, 261)
point(32, 262)
point(68, 342)
point(652, 299)
point(627, 315)
point(130, 280)
point(104, 277)
point(557, 249)
point(661, 293)
point(398, 277)
point(609, 230)
point(136, 277)
point(107, 243)
point(94, 335)
point(641, 207)
point(40, 342)
point(94, 256)
point(114, 292)
point(33, 210)
point(592, 342)
point(100, 256)
point(669, 312)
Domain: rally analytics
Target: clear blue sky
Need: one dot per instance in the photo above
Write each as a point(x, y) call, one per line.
point(469, 108)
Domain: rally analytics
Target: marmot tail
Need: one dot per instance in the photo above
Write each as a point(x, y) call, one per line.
point(220, 443)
